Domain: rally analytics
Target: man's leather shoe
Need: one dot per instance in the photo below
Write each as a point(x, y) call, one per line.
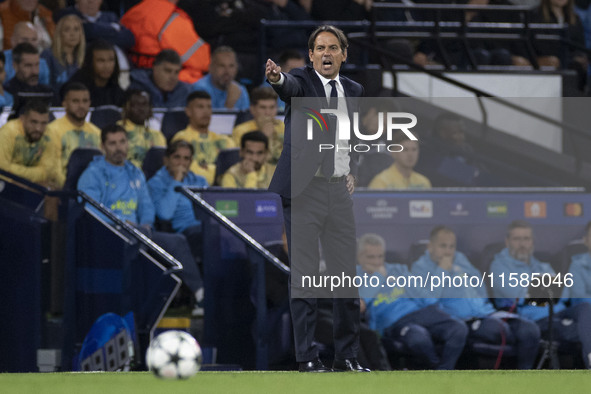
point(348, 365)
point(314, 366)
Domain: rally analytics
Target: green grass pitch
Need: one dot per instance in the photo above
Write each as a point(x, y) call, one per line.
point(399, 382)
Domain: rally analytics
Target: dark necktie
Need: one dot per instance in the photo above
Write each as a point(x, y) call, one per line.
point(327, 166)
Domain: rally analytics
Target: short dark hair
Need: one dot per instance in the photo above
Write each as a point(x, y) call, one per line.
point(37, 105)
point(518, 224)
point(289, 54)
point(111, 129)
point(343, 42)
point(73, 86)
point(129, 93)
point(198, 94)
point(169, 56)
point(439, 229)
point(176, 145)
point(262, 93)
point(87, 68)
point(256, 136)
point(21, 49)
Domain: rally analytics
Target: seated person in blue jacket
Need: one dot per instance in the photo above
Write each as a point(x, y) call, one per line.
point(171, 205)
point(570, 324)
point(471, 303)
point(580, 268)
point(120, 186)
point(397, 314)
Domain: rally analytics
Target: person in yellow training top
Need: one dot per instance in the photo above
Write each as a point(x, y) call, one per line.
point(137, 110)
point(400, 175)
point(253, 171)
point(72, 131)
point(263, 107)
point(26, 150)
point(206, 143)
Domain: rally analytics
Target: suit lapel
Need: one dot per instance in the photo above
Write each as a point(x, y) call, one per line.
point(316, 82)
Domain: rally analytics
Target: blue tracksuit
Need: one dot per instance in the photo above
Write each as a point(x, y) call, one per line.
point(580, 267)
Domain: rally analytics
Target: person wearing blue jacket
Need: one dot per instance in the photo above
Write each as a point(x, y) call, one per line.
point(171, 205)
point(570, 324)
point(397, 315)
point(121, 187)
point(580, 268)
point(470, 303)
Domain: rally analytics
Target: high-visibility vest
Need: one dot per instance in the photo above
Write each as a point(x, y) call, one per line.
point(158, 25)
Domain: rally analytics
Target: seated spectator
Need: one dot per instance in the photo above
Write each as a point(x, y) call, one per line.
point(25, 32)
point(160, 24)
point(263, 107)
point(401, 175)
point(67, 51)
point(72, 131)
point(25, 83)
point(98, 24)
point(171, 205)
point(162, 82)
point(206, 143)
point(6, 99)
point(100, 74)
point(107, 181)
point(14, 11)
point(253, 170)
point(570, 324)
point(136, 115)
point(471, 304)
point(225, 92)
point(580, 268)
point(288, 60)
point(26, 150)
point(400, 314)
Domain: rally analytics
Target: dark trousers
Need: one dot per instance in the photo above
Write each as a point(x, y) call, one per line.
point(422, 330)
point(176, 245)
point(522, 333)
point(322, 216)
point(572, 325)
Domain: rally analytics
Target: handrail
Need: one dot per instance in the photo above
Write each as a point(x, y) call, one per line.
point(174, 266)
point(191, 193)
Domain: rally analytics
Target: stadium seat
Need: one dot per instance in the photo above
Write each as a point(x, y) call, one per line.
point(242, 117)
point(371, 165)
point(565, 255)
point(105, 115)
point(77, 164)
point(173, 121)
point(226, 159)
point(153, 161)
point(416, 250)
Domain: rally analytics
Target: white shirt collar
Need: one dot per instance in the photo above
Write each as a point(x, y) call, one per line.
point(325, 81)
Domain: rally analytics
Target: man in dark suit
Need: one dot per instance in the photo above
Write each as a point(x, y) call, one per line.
point(316, 185)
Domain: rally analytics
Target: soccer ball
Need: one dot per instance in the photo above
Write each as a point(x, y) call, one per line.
point(174, 355)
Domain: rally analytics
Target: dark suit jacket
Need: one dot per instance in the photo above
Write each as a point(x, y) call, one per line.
point(304, 82)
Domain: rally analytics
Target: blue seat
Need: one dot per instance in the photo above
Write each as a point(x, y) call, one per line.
point(371, 165)
point(105, 115)
point(226, 159)
point(153, 161)
point(79, 160)
point(172, 122)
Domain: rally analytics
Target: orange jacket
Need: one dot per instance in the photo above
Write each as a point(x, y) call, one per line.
point(159, 24)
point(11, 14)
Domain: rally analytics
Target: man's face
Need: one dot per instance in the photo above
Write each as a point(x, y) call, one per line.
point(327, 55)
point(103, 63)
point(199, 112)
point(27, 70)
point(223, 69)
point(520, 243)
point(264, 109)
point(89, 7)
point(409, 156)
point(371, 258)
point(116, 147)
point(181, 158)
point(34, 125)
point(138, 108)
point(77, 104)
point(24, 33)
point(28, 5)
point(166, 76)
point(453, 132)
point(442, 246)
point(255, 152)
